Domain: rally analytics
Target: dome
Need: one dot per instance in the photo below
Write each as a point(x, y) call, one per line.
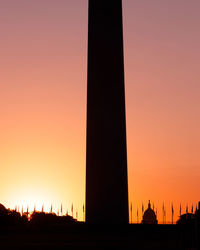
point(149, 216)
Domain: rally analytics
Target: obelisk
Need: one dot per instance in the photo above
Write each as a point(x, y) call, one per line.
point(106, 153)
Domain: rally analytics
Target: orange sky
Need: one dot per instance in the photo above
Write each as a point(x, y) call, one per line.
point(43, 51)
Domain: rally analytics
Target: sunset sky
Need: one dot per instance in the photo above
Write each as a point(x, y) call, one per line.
point(43, 81)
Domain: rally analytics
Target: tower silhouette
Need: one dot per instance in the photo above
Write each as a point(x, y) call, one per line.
point(106, 153)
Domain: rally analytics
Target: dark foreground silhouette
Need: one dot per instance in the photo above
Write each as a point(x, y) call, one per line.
point(106, 154)
point(48, 231)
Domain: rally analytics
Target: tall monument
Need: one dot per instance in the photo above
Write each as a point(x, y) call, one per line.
point(106, 154)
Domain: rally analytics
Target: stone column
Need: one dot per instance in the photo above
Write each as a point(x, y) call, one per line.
point(106, 153)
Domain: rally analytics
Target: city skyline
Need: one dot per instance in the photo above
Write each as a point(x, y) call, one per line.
point(43, 102)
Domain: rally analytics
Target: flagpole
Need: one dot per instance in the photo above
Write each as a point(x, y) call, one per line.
point(83, 212)
point(163, 213)
point(72, 210)
point(131, 213)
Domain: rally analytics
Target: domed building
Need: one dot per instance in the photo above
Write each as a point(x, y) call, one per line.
point(149, 216)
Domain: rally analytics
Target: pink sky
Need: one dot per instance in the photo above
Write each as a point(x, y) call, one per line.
point(43, 50)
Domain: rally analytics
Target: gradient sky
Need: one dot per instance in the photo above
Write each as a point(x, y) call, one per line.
point(43, 51)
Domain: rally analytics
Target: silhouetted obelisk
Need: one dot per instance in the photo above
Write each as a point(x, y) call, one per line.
point(106, 156)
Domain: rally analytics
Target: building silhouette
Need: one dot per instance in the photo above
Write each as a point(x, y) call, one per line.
point(149, 216)
point(106, 153)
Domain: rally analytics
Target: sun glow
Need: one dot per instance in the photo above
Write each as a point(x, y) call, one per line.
point(32, 198)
